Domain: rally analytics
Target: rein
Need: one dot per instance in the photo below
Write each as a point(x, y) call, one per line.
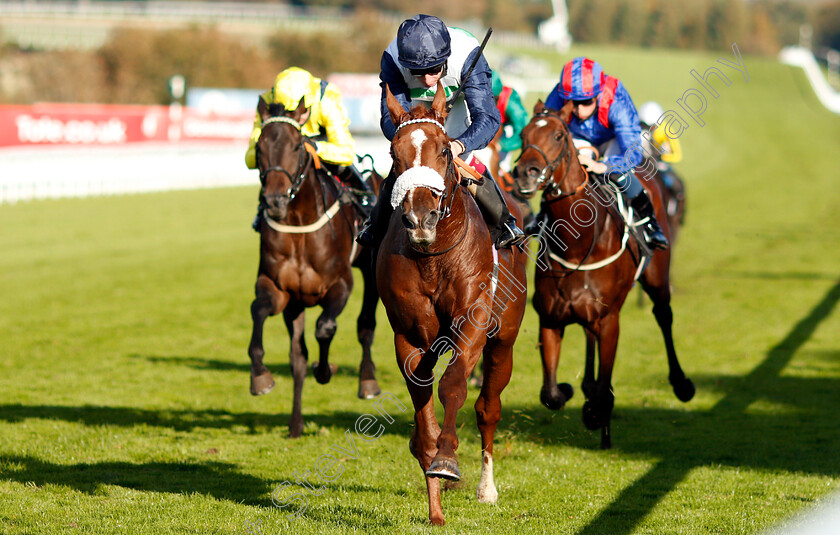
point(565, 156)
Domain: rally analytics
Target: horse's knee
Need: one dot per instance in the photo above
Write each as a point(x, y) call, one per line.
point(326, 329)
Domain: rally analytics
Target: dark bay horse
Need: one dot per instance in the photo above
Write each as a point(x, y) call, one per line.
point(586, 266)
point(444, 294)
point(306, 253)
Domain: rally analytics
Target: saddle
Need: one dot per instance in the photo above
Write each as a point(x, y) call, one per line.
point(632, 224)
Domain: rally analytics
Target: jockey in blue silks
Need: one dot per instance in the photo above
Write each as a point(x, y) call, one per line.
point(604, 116)
point(424, 53)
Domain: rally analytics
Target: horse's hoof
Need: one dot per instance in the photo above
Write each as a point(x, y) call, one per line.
point(684, 390)
point(591, 418)
point(559, 401)
point(369, 389)
point(295, 430)
point(323, 376)
point(435, 521)
point(444, 468)
point(262, 384)
point(567, 390)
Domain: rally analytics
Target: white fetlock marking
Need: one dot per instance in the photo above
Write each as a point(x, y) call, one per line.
point(487, 492)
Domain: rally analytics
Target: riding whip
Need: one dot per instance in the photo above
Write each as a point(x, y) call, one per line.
point(469, 72)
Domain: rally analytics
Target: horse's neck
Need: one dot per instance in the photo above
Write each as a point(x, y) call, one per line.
point(310, 201)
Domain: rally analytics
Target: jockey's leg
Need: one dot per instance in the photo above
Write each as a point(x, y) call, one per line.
point(377, 224)
point(350, 175)
point(503, 229)
point(638, 199)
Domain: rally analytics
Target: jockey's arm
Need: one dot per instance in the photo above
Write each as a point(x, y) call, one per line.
point(485, 118)
point(339, 148)
point(517, 117)
point(624, 120)
point(676, 152)
point(554, 101)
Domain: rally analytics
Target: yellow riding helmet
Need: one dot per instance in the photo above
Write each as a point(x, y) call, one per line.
point(293, 84)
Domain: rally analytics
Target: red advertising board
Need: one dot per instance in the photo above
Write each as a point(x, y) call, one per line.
point(95, 124)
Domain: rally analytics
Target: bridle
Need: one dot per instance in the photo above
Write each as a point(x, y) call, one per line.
point(305, 160)
point(553, 188)
point(445, 209)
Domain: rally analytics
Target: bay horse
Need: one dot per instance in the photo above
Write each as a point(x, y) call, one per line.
point(586, 266)
point(307, 251)
point(444, 293)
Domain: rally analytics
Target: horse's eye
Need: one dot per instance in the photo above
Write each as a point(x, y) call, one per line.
point(558, 137)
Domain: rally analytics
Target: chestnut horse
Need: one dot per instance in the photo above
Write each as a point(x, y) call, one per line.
point(444, 293)
point(586, 266)
point(307, 249)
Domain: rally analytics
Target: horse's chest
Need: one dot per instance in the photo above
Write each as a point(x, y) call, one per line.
point(573, 303)
point(303, 282)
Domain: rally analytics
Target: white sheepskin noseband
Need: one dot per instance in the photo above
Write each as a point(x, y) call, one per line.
point(416, 177)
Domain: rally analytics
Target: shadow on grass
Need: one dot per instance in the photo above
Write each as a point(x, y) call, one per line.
point(216, 479)
point(200, 363)
point(795, 434)
point(187, 420)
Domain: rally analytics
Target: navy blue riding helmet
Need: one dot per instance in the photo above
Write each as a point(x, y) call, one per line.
point(423, 42)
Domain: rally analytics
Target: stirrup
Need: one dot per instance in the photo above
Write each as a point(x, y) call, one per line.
point(511, 236)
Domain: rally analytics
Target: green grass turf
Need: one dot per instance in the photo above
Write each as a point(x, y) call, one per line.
point(124, 374)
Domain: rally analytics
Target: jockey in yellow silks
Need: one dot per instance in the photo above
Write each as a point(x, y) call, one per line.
point(326, 115)
point(664, 149)
point(327, 123)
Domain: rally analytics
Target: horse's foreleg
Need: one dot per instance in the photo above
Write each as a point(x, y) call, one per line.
point(598, 408)
point(661, 297)
point(365, 327)
point(295, 317)
point(553, 395)
point(418, 371)
point(498, 363)
point(588, 383)
point(452, 391)
point(268, 302)
point(332, 304)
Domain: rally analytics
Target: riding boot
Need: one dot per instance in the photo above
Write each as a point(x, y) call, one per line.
point(532, 227)
point(503, 229)
point(255, 224)
point(638, 199)
point(377, 224)
point(653, 233)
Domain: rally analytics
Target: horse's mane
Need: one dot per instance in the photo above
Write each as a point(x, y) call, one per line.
point(420, 111)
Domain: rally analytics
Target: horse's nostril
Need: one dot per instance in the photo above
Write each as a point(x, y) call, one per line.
point(407, 223)
point(533, 172)
point(431, 220)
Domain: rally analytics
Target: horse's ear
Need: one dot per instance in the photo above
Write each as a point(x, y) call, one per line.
point(439, 103)
point(539, 107)
point(395, 109)
point(262, 109)
point(299, 111)
point(566, 110)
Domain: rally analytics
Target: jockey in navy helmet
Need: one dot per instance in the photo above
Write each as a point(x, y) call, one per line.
point(604, 116)
point(424, 52)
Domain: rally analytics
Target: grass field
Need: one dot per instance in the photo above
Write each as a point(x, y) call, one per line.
point(124, 322)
